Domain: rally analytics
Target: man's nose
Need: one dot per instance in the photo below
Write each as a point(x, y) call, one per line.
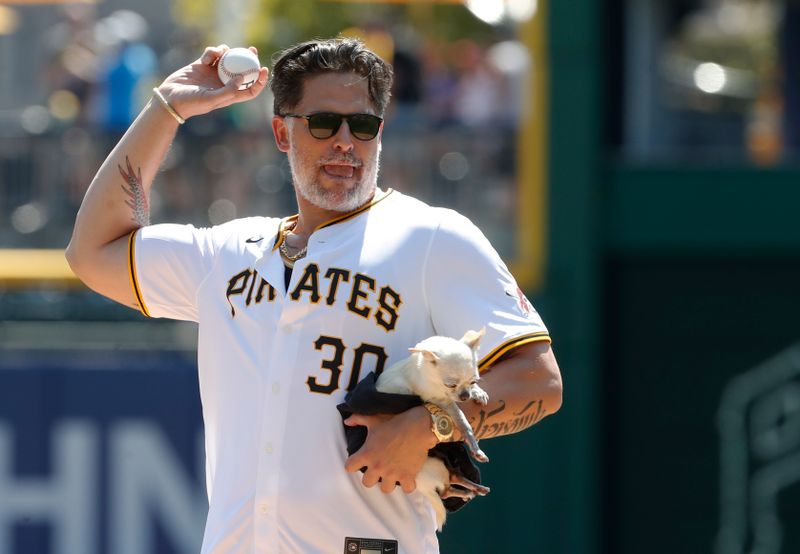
point(343, 139)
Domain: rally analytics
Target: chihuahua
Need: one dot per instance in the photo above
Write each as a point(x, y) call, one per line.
point(442, 371)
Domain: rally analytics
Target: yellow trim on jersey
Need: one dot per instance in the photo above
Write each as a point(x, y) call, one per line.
point(132, 273)
point(349, 215)
point(280, 236)
point(507, 346)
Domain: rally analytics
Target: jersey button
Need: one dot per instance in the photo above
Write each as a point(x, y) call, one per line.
point(268, 448)
point(276, 388)
point(264, 508)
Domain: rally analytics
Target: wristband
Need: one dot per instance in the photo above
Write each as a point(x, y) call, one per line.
point(167, 107)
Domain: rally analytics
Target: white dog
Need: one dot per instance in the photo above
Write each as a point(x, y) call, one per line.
point(442, 371)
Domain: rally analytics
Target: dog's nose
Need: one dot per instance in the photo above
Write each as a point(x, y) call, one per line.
point(463, 395)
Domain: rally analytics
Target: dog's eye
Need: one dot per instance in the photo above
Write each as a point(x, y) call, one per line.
point(451, 386)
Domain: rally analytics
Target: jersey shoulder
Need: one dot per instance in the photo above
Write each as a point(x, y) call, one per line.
point(417, 213)
point(447, 234)
point(246, 230)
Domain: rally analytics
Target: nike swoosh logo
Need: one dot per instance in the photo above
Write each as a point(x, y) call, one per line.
point(254, 240)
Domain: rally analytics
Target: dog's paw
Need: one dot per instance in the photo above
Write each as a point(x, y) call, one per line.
point(479, 396)
point(480, 455)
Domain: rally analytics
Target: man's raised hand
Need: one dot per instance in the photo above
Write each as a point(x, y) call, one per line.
point(196, 89)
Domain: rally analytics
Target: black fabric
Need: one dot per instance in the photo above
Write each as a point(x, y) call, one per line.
point(365, 399)
point(287, 276)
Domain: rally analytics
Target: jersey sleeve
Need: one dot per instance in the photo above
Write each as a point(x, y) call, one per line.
point(167, 264)
point(468, 286)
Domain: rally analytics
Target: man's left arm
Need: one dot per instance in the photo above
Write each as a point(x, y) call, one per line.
point(468, 285)
point(523, 387)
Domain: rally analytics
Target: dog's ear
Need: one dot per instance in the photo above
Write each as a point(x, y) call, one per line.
point(473, 338)
point(429, 355)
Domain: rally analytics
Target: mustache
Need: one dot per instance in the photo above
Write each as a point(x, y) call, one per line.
point(346, 159)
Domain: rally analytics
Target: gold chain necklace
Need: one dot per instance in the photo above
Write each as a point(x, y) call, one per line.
point(285, 250)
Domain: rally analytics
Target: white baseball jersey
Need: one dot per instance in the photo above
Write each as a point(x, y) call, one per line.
point(274, 362)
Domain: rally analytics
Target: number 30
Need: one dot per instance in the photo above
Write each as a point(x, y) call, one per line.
point(334, 364)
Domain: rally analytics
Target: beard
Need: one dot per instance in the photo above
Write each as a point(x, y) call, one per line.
point(338, 199)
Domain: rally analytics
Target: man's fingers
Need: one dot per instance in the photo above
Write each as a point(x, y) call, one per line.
point(353, 463)
point(357, 419)
point(208, 57)
point(212, 54)
point(408, 485)
point(256, 88)
point(370, 479)
point(353, 421)
point(230, 93)
point(263, 76)
point(388, 485)
point(234, 84)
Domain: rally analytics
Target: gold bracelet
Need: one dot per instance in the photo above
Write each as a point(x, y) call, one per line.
point(167, 107)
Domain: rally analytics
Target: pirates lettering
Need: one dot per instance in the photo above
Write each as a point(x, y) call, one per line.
point(359, 293)
point(246, 280)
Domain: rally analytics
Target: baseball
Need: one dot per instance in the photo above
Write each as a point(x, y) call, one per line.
point(239, 61)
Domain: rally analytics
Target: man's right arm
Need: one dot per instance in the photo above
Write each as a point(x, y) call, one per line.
point(117, 201)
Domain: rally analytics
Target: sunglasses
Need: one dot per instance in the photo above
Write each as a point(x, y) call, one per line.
point(324, 125)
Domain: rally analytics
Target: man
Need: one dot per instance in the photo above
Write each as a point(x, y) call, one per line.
point(292, 312)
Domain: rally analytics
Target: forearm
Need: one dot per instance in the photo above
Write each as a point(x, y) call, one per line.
point(118, 199)
point(523, 389)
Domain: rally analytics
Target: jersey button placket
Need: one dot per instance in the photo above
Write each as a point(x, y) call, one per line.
point(272, 420)
point(280, 358)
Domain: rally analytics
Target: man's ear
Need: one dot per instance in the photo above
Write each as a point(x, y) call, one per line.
point(280, 129)
point(429, 356)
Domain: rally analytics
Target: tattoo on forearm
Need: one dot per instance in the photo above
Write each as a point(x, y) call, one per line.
point(137, 197)
point(531, 414)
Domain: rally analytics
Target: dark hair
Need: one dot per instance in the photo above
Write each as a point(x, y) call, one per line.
point(295, 64)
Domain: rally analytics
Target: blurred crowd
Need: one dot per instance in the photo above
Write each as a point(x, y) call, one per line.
point(450, 134)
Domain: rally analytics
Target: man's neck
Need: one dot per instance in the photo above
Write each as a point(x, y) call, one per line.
point(311, 216)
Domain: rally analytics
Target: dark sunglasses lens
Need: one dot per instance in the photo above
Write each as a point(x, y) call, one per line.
point(324, 125)
point(364, 126)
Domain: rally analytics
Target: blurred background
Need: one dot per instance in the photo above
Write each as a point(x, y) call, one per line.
point(634, 161)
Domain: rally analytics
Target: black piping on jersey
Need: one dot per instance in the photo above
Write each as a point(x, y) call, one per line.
point(509, 345)
point(132, 272)
point(280, 236)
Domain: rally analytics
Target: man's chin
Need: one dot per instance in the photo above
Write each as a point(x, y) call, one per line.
point(339, 201)
point(344, 206)
point(336, 203)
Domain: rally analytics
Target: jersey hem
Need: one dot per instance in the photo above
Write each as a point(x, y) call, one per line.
point(132, 273)
point(510, 345)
